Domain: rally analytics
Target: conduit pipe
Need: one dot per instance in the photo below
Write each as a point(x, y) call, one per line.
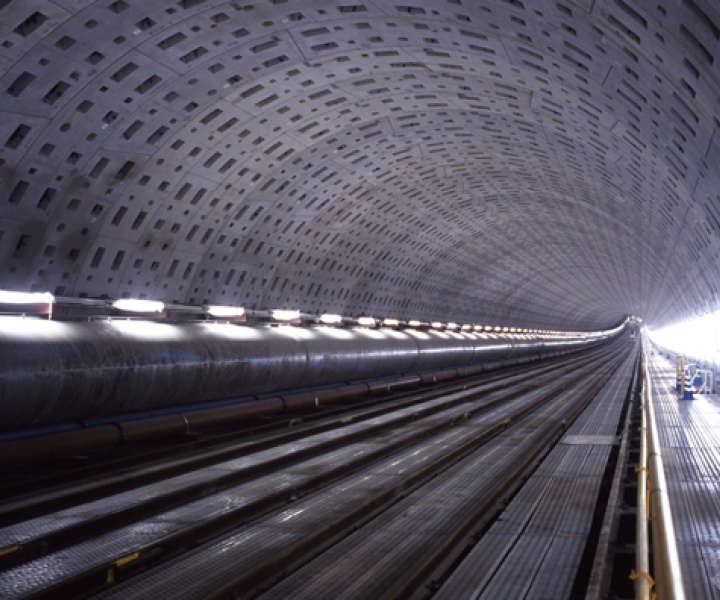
point(127, 381)
point(27, 450)
point(56, 372)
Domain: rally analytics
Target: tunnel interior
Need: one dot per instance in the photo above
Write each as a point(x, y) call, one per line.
point(527, 181)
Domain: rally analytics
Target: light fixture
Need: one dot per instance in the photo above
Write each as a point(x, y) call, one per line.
point(226, 311)
point(366, 321)
point(479, 327)
point(489, 327)
point(140, 306)
point(7, 297)
point(331, 319)
point(466, 327)
point(280, 314)
point(452, 326)
point(390, 322)
point(414, 323)
point(26, 298)
point(436, 325)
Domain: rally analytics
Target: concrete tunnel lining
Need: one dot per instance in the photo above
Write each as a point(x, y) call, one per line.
point(536, 164)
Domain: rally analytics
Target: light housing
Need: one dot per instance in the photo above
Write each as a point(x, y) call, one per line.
point(226, 311)
point(139, 306)
point(8, 297)
point(28, 302)
point(331, 319)
point(414, 323)
point(366, 321)
point(390, 322)
point(285, 315)
point(436, 325)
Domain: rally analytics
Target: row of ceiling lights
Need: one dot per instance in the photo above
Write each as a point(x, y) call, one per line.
point(153, 308)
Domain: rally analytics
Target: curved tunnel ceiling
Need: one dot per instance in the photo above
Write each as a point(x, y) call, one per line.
point(535, 163)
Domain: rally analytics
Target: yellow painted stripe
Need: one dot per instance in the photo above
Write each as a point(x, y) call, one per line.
point(10, 549)
point(126, 559)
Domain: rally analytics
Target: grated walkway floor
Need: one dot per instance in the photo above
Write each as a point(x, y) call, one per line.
point(535, 547)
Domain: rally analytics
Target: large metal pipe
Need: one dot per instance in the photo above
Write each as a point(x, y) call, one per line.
point(107, 433)
point(55, 372)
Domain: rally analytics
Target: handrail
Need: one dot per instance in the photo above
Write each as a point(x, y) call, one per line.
point(641, 574)
point(666, 563)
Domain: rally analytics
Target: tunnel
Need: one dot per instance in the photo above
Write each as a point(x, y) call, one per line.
point(335, 199)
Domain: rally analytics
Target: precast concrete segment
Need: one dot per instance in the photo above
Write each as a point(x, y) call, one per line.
point(54, 372)
point(538, 163)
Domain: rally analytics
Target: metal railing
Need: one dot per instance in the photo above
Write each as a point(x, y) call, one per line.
point(654, 505)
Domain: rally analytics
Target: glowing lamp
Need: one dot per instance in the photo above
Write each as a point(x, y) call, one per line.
point(285, 315)
point(7, 297)
point(139, 306)
point(226, 311)
point(331, 319)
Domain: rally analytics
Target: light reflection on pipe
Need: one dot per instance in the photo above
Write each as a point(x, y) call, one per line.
point(147, 330)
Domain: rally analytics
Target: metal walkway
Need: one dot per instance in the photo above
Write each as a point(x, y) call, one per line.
point(689, 432)
point(535, 548)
